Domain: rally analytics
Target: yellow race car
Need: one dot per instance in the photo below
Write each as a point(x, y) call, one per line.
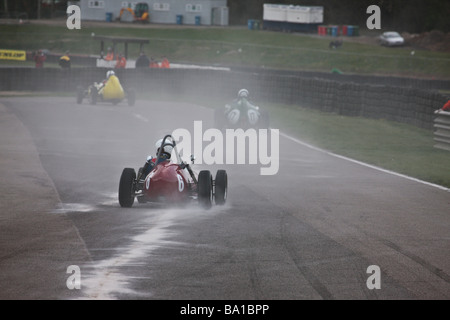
point(109, 90)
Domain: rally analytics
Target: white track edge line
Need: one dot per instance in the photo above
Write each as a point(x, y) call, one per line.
point(363, 163)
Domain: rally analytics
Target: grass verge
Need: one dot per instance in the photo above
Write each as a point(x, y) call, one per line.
point(390, 145)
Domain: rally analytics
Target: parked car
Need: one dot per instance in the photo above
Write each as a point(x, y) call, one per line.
point(391, 38)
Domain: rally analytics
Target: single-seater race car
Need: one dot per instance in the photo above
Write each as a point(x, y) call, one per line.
point(109, 90)
point(172, 182)
point(241, 113)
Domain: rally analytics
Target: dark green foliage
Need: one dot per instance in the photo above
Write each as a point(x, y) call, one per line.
point(403, 15)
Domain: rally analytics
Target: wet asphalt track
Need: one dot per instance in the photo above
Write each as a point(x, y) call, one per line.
point(309, 232)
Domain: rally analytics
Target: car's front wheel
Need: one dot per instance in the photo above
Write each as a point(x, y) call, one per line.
point(126, 187)
point(221, 187)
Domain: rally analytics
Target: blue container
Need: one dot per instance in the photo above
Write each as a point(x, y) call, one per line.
point(349, 31)
point(109, 16)
point(198, 20)
point(334, 31)
point(251, 24)
point(179, 19)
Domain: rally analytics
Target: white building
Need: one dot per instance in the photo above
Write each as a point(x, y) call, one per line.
point(192, 12)
point(291, 13)
point(291, 18)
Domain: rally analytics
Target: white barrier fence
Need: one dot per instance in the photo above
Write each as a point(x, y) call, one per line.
point(102, 63)
point(442, 130)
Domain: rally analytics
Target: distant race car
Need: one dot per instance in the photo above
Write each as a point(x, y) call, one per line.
point(109, 90)
point(241, 113)
point(172, 182)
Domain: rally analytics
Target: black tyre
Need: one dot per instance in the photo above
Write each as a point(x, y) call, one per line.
point(205, 189)
point(80, 94)
point(221, 187)
point(131, 97)
point(126, 187)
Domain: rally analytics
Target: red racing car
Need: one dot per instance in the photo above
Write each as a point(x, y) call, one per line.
point(172, 182)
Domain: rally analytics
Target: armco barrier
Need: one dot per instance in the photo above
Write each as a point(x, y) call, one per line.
point(442, 130)
point(403, 104)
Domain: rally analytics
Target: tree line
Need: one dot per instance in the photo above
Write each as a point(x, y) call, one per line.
point(32, 9)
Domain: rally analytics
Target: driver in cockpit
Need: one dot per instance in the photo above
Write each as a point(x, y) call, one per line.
point(151, 162)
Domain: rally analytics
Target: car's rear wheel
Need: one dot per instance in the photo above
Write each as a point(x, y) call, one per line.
point(221, 187)
point(205, 189)
point(126, 187)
